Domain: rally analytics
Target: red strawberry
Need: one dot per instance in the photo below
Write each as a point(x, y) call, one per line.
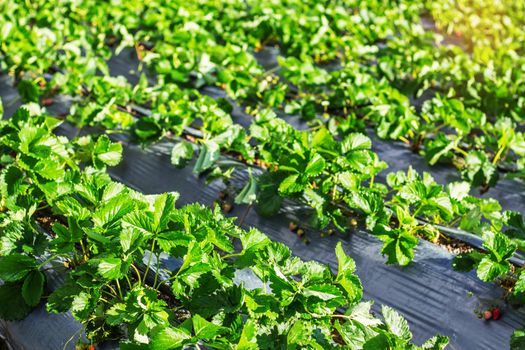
point(496, 313)
point(91, 347)
point(487, 315)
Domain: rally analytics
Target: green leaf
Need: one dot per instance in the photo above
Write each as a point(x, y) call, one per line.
point(517, 340)
point(356, 141)
point(111, 212)
point(61, 299)
point(248, 194)
point(399, 245)
point(15, 267)
point(204, 329)
point(361, 313)
point(519, 287)
point(380, 341)
point(130, 240)
point(344, 262)
point(488, 269)
point(28, 90)
point(315, 166)
point(108, 268)
point(13, 306)
point(140, 221)
point(30, 142)
point(208, 155)
point(458, 190)
point(291, 185)
point(467, 261)
point(33, 288)
point(106, 152)
point(396, 323)
point(345, 277)
point(147, 129)
point(181, 152)
point(253, 238)
point(164, 207)
point(438, 342)
point(11, 180)
point(268, 199)
point(248, 340)
point(170, 338)
point(499, 245)
point(323, 291)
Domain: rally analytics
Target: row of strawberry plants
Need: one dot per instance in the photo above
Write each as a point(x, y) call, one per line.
point(100, 231)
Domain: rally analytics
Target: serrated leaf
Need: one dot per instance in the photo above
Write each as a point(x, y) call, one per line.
point(28, 90)
point(291, 185)
point(361, 313)
point(467, 261)
point(164, 205)
point(248, 339)
point(11, 180)
point(488, 270)
point(61, 299)
point(109, 213)
point(315, 166)
point(396, 323)
point(106, 152)
point(344, 262)
point(204, 329)
point(108, 268)
point(15, 267)
point(253, 238)
point(141, 222)
point(33, 288)
point(458, 190)
point(438, 342)
point(399, 245)
point(354, 142)
point(170, 338)
point(519, 287)
point(499, 245)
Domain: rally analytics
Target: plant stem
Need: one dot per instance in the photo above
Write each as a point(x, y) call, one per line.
point(459, 150)
point(498, 155)
point(119, 290)
point(137, 272)
point(149, 261)
point(47, 260)
point(156, 271)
